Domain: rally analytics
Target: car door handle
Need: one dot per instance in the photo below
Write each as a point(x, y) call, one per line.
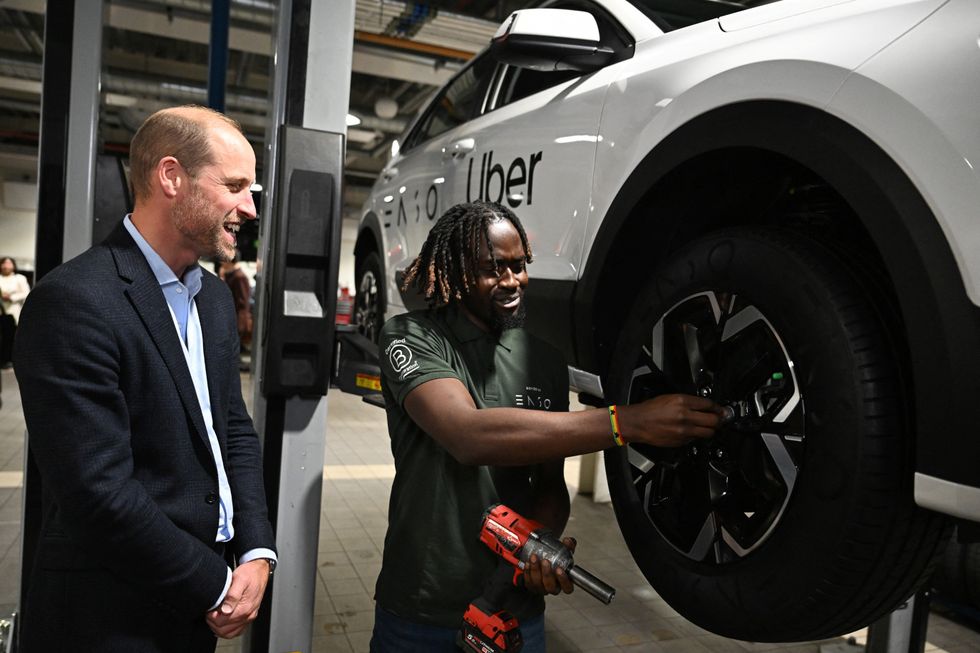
point(459, 149)
point(389, 174)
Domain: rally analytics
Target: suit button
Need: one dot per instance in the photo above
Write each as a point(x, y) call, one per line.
point(211, 498)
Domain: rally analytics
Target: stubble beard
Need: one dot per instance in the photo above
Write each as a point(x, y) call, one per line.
point(200, 224)
point(500, 322)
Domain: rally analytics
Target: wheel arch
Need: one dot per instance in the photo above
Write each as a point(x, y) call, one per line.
point(744, 155)
point(369, 237)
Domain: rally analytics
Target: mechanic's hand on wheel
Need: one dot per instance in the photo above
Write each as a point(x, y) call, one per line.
point(670, 420)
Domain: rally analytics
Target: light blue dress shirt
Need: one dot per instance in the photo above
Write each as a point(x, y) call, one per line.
point(180, 296)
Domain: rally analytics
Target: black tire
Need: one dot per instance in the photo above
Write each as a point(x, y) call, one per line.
point(370, 300)
point(796, 523)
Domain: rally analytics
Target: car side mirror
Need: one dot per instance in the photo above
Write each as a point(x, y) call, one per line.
point(550, 40)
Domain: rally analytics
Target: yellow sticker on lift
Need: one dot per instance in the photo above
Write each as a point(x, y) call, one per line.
point(368, 381)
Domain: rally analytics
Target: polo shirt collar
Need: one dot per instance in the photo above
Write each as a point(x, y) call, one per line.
point(465, 331)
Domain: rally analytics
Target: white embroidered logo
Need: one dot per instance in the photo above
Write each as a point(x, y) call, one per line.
point(400, 358)
point(532, 398)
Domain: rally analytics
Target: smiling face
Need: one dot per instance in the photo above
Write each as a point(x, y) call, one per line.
point(495, 301)
point(218, 199)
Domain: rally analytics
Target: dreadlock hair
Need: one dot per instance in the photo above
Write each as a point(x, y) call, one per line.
point(447, 266)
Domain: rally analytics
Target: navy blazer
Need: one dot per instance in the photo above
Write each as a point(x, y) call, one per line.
point(130, 483)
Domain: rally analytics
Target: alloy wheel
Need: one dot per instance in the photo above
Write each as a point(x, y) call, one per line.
point(718, 500)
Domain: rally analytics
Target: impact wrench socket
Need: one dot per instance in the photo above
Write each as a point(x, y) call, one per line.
point(548, 547)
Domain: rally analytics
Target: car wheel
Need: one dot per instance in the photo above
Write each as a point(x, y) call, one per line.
point(796, 521)
point(369, 300)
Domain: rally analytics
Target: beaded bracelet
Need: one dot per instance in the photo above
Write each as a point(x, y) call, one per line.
point(616, 432)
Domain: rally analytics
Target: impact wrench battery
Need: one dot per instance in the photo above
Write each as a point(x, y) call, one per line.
point(516, 539)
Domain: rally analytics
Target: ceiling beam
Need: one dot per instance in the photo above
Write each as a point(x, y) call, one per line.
point(412, 46)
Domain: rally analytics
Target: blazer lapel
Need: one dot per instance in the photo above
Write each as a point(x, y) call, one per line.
point(147, 299)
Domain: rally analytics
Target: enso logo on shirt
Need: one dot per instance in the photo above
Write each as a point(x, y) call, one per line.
point(400, 358)
point(533, 397)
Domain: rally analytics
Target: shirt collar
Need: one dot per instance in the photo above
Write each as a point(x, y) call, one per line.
point(162, 271)
point(465, 331)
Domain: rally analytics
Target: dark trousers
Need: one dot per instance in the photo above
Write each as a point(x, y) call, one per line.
point(94, 611)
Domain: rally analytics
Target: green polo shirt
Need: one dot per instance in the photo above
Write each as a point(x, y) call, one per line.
point(434, 563)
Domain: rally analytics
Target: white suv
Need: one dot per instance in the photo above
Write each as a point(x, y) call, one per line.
point(775, 207)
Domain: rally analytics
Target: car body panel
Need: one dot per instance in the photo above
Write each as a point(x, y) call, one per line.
point(631, 19)
point(752, 64)
point(934, 138)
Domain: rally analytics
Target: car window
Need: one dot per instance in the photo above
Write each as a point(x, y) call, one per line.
point(674, 14)
point(457, 103)
point(518, 83)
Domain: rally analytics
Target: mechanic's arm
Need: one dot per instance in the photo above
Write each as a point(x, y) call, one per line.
point(516, 436)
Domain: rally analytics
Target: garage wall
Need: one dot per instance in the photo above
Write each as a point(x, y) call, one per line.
point(348, 236)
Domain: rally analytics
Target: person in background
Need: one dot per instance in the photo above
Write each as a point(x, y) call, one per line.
point(154, 534)
point(238, 283)
point(13, 291)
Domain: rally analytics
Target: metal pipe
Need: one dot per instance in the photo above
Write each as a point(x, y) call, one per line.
point(218, 54)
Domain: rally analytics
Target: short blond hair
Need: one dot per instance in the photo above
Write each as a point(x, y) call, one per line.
point(181, 132)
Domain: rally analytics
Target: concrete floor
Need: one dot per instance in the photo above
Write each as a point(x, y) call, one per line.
point(357, 480)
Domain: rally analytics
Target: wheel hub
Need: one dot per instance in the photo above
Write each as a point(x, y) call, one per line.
point(716, 501)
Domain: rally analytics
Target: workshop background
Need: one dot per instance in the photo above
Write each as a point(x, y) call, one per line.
point(155, 54)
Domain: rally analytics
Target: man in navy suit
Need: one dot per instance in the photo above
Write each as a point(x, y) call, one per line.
point(155, 534)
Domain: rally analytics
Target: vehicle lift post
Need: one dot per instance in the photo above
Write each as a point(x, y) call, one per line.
point(903, 630)
point(297, 296)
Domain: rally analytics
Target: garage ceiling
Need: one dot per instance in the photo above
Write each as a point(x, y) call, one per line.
point(155, 54)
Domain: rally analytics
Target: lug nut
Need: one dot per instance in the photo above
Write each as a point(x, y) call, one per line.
point(729, 414)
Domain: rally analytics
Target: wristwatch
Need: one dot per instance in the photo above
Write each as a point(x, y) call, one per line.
point(272, 566)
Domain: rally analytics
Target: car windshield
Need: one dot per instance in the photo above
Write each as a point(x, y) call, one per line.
point(674, 14)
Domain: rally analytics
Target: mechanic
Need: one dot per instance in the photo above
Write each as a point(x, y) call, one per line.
point(457, 381)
